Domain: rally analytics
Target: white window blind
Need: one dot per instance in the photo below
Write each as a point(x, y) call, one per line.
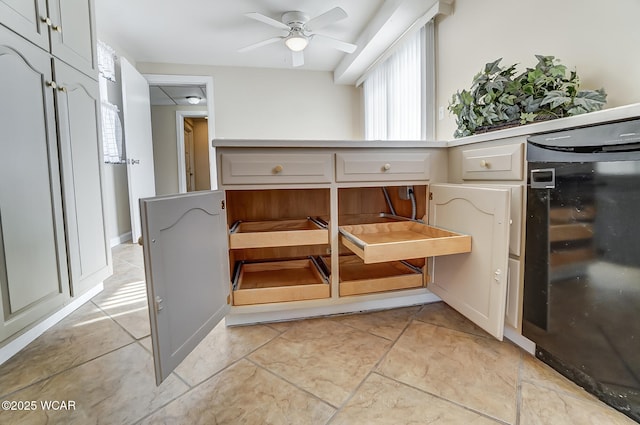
point(393, 94)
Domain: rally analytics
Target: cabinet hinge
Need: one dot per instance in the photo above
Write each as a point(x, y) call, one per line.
point(222, 204)
point(431, 196)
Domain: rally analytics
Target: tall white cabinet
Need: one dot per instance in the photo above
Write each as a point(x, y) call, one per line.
point(53, 240)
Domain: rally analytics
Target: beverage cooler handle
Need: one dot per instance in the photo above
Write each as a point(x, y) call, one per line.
point(543, 178)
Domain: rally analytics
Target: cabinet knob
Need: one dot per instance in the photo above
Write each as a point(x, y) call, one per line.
point(484, 163)
point(52, 84)
point(278, 169)
point(57, 28)
point(46, 20)
point(386, 167)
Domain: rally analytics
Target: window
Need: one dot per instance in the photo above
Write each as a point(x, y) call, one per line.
point(111, 126)
point(395, 91)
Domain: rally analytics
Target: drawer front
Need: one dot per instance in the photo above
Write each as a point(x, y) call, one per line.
point(382, 166)
point(276, 168)
point(496, 163)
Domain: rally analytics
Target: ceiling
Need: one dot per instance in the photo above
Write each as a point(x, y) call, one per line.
point(210, 32)
point(167, 95)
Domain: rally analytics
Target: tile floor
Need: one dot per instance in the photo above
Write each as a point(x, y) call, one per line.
point(417, 365)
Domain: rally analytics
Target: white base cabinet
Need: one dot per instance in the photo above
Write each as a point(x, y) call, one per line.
point(272, 249)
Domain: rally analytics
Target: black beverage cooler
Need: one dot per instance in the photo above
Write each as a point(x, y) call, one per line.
point(582, 260)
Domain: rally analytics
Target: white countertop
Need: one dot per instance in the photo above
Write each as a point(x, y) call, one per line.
point(598, 117)
point(276, 143)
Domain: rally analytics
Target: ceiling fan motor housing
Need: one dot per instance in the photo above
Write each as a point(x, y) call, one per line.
point(295, 20)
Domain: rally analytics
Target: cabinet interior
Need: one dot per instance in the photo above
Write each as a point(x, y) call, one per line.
point(276, 239)
point(366, 205)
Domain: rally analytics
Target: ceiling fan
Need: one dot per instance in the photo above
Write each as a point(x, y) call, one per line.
point(300, 31)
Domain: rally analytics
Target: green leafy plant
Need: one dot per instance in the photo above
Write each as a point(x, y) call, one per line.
point(499, 97)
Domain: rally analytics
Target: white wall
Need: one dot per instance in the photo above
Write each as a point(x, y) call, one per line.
point(252, 103)
point(599, 39)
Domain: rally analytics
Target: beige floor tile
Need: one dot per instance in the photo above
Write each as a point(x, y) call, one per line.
point(129, 252)
point(322, 356)
point(223, 346)
point(124, 272)
point(477, 372)
point(387, 324)
point(282, 326)
point(82, 336)
point(126, 303)
point(536, 372)
point(440, 314)
point(383, 401)
point(543, 406)
point(244, 394)
point(117, 388)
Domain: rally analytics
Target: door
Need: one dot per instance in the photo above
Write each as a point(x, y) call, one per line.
point(27, 18)
point(136, 110)
point(475, 283)
point(73, 34)
point(189, 155)
point(33, 263)
point(187, 272)
point(78, 101)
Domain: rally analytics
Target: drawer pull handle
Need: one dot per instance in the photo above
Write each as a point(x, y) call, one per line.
point(386, 167)
point(278, 169)
point(484, 163)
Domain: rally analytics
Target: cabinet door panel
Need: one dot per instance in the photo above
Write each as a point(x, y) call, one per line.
point(187, 272)
point(75, 42)
point(24, 17)
point(475, 283)
point(33, 274)
point(81, 153)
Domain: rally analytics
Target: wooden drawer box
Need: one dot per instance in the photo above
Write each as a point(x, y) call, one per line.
point(358, 278)
point(262, 234)
point(389, 166)
point(379, 242)
point(495, 163)
point(270, 168)
point(279, 281)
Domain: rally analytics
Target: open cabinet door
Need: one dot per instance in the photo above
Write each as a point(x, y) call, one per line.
point(475, 283)
point(187, 272)
point(136, 112)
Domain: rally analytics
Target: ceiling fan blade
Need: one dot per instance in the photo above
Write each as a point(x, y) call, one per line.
point(334, 15)
point(297, 58)
point(335, 43)
point(267, 20)
point(260, 44)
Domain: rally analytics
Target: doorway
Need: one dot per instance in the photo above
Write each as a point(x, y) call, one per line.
point(192, 138)
point(202, 163)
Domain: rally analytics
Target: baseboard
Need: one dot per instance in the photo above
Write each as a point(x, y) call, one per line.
point(20, 342)
point(120, 239)
point(521, 341)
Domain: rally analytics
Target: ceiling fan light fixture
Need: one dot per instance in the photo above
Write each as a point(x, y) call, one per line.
point(193, 100)
point(296, 41)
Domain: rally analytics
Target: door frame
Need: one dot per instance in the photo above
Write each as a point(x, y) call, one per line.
point(163, 79)
point(180, 116)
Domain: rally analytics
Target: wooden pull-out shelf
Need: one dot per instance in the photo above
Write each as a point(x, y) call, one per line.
point(279, 281)
point(380, 242)
point(358, 278)
point(274, 233)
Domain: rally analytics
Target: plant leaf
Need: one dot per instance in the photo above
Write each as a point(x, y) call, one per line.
point(492, 67)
